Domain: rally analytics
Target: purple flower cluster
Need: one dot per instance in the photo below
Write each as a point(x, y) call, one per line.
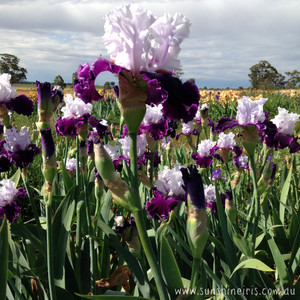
point(17, 149)
point(10, 200)
point(21, 104)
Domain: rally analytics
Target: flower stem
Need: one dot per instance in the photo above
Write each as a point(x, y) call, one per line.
point(141, 227)
point(230, 184)
point(50, 257)
point(255, 200)
point(255, 205)
point(195, 272)
point(77, 163)
point(140, 223)
point(133, 161)
point(91, 241)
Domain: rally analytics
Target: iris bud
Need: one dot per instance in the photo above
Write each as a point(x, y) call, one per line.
point(124, 195)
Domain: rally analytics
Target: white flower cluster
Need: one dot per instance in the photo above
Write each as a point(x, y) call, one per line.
point(138, 41)
point(250, 111)
point(119, 221)
point(75, 108)
point(187, 128)
point(205, 146)
point(113, 151)
point(210, 193)
point(285, 121)
point(197, 118)
point(226, 140)
point(16, 141)
point(243, 161)
point(153, 114)
point(7, 92)
point(141, 145)
point(7, 192)
point(71, 164)
point(170, 181)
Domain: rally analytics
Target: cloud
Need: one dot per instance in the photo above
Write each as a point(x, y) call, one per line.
point(227, 37)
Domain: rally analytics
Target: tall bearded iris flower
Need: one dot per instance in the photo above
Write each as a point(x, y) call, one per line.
point(139, 45)
point(10, 200)
point(19, 147)
point(169, 191)
point(279, 131)
point(10, 101)
point(137, 41)
point(73, 117)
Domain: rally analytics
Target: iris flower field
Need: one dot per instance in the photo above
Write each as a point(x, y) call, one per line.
point(152, 190)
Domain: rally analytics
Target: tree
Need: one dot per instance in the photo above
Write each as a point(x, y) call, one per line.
point(58, 80)
point(293, 79)
point(107, 85)
point(264, 76)
point(10, 64)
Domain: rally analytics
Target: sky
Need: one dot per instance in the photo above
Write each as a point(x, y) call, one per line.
point(227, 37)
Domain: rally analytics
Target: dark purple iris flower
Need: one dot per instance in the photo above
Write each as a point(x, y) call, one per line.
point(84, 85)
point(23, 158)
point(13, 209)
point(172, 126)
point(206, 161)
point(22, 105)
point(223, 124)
point(193, 186)
point(155, 94)
point(202, 162)
point(277, 140)
point(159, 206)
point(99, 125)
point(294, 145)
point(68, 127)
point(180, 100)
point(156, 130)
point(183, 98)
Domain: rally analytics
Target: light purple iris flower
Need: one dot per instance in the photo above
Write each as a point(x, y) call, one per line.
point(19, 147)
point(139, 45)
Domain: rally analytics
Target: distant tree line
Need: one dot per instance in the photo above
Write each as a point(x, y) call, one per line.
point(262, 75)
